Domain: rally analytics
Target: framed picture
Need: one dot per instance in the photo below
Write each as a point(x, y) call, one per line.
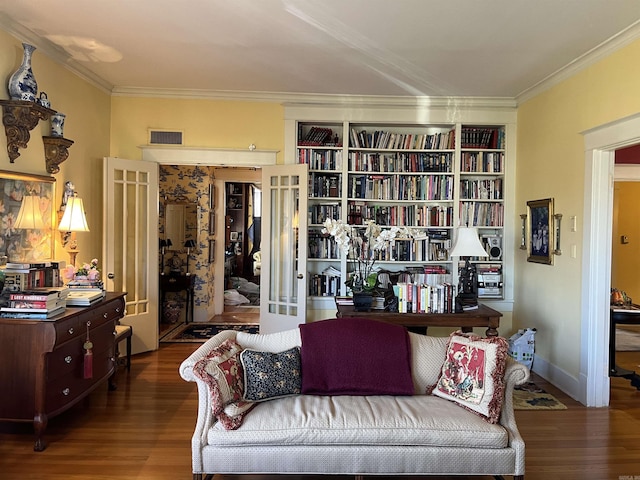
point(233, 236)
point(212, 223)
point(32, 239)
point(212, 251)
point(540, 231)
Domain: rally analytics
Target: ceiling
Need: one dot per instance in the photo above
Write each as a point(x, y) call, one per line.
point(262, 48)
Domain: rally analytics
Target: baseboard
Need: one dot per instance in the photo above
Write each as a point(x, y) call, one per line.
point(559, 378)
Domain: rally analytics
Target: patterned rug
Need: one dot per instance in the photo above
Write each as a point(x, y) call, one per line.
point(201, 332)
point(529, 396)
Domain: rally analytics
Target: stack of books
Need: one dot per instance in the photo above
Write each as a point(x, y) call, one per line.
point(83, 293)
point(37, 303)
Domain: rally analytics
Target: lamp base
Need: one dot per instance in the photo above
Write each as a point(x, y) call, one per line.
point(466, 301)
point(72, 256)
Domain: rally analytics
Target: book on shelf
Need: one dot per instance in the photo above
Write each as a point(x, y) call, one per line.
point(83, 298)
point(32, 314)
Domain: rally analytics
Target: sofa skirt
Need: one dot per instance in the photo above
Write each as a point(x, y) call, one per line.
point(354, 460)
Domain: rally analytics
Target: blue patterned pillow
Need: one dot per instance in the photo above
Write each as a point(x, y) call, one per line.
point(271, 375)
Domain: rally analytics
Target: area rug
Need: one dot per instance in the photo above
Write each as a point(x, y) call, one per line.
point(201, 332)
point(627, 339)
point(529, 396)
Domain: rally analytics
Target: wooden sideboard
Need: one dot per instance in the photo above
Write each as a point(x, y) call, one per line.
point(41, 362)
point(483, 316)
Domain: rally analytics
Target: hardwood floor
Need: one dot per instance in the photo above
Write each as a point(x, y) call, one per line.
point(143, 431)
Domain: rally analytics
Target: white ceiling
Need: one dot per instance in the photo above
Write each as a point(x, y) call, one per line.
point(479, 48)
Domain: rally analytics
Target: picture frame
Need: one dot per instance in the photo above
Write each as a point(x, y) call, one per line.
point(540, 231)
point(233, 236)
point(212, 223)
point(212, 250)
point(26, 244)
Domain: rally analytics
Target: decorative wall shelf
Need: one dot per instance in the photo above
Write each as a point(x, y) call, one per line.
point(55, 152)
point(19, 118)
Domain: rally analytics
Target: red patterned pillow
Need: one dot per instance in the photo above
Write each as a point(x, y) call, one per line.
point(473, 374)
point(222, 371)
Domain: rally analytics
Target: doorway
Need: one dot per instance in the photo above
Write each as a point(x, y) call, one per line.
point(242, 255)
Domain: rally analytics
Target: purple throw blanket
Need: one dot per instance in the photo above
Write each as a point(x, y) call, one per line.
point(355, 356)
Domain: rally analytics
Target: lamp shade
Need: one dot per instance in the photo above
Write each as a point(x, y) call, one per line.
point(190, 243)
point(468, 244)
point(73, 219)
point(30, 215)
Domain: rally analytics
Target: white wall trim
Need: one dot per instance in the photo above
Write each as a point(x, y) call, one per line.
point(626, 173)
point(558, 377)
point(169, 155)
point(600, 144)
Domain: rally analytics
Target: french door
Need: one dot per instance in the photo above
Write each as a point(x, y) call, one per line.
point(130, 244)
point(283, 291)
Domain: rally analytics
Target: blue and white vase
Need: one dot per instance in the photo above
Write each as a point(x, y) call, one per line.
point(57, 124)
point(22, 84)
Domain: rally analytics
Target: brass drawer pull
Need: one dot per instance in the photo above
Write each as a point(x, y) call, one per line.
point(70, 331)
point(66, 392)
point(88, 323)
point(68, 359)
point(105, 315)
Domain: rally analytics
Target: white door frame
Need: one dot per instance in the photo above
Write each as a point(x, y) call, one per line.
point(600, 145)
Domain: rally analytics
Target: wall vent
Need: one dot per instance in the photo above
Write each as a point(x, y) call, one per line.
point(165, 137)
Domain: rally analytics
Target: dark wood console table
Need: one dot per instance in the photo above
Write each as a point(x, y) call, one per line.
point(623, 316)
point(483, 316)
point(41, 362)
point(179, 282)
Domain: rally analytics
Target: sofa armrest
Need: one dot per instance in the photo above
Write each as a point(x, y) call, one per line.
point(205, 418)
point(186, 367)
point(515, 374)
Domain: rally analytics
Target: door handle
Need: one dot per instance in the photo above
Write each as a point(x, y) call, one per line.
point(300, 276)
point(111, 275)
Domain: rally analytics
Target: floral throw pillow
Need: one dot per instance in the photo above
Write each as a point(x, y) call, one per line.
point(271, 375)
point(222, 371)
point(473, 374)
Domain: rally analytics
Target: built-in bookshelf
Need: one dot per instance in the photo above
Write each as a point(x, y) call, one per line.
point(432, 178)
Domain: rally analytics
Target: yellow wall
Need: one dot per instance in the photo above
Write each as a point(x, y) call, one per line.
point(625, 258)
point(550, 163)
point(87, 124)
point(205, 123)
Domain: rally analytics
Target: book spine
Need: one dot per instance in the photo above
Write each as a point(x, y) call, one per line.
point(29, 298)
point(30, 304)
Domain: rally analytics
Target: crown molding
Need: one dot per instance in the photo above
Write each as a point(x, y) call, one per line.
point(606, 48)
point(56, 53)
point(299, 99)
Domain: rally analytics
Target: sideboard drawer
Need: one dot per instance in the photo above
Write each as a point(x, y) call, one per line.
point(68, 358)
point(65, 389)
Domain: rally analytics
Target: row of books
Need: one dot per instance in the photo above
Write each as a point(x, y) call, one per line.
point(401, 162)
point(402, 141)
point(324, 185)
point(322, 246)
point(23, 275)
point(392, 187)
point(317, 136)
point(401, 215)
point(481, 189)
point(319, 213)
point(481, 214)
point(423, 298)
point(482, 137)
point(321, 159)
point(482, 162)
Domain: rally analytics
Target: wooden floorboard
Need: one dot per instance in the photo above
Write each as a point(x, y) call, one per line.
point(143, 431)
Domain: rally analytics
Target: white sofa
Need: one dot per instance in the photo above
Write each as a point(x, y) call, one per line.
point(420, 434)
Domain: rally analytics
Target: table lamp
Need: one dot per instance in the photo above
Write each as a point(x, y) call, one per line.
point(189, 244)
point(467, 245)
point(73, 220)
